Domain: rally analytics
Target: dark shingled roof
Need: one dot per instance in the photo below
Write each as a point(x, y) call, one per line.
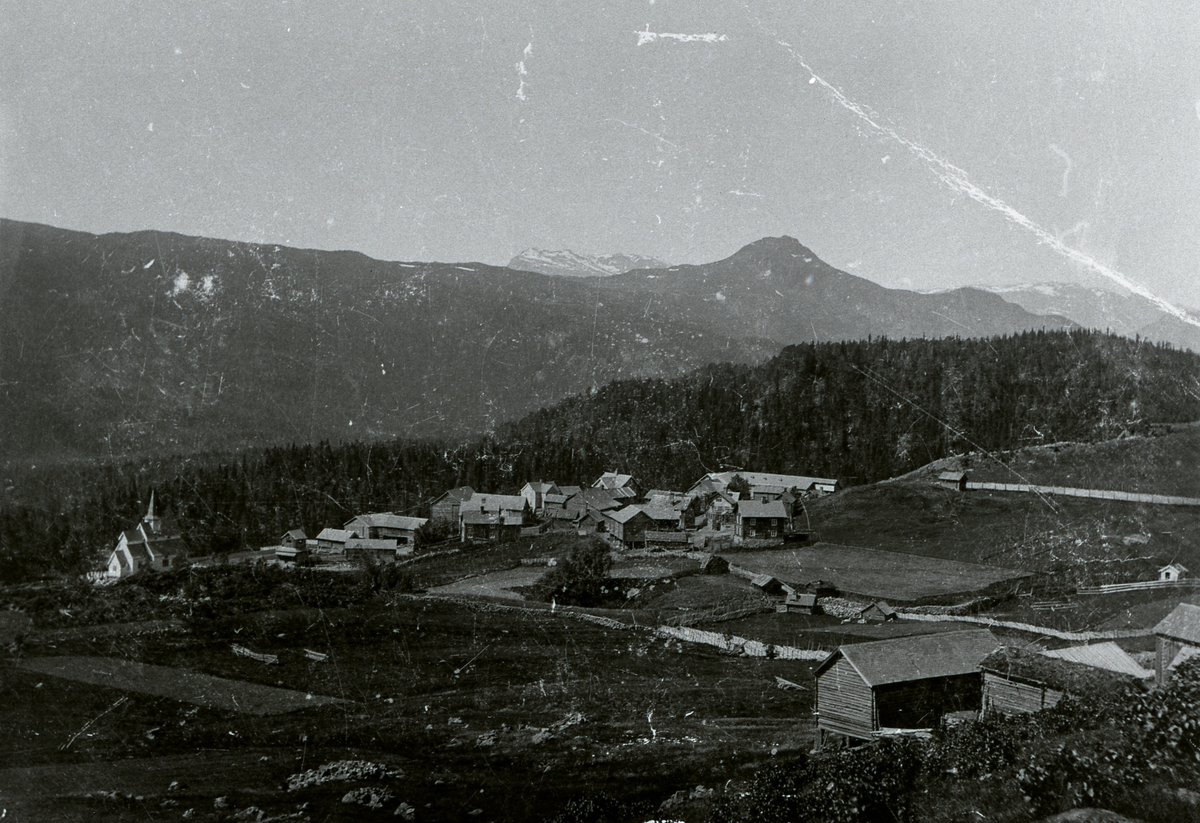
point(943, 654)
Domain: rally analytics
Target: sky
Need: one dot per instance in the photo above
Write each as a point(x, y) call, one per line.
point(895, 139)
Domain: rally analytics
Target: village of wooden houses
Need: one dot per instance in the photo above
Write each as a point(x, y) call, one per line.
point(750, 526)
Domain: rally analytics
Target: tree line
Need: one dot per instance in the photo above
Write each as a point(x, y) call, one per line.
point(859, 411)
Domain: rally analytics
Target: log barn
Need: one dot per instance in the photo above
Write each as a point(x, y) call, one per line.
point(1177, 637)
point(868, 689)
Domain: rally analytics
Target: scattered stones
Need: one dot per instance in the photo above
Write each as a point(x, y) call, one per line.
point(372, 798)
point(340, 770)
point(406, 812)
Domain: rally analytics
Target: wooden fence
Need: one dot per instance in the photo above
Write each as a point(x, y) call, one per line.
point(1097, 494)
point(1145, 585)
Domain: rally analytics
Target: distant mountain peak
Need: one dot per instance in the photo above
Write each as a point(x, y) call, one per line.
point(566, 263)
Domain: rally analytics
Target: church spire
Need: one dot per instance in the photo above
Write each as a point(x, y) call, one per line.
point(153, 521)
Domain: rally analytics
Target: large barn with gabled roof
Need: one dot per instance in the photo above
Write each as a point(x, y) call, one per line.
point(907, 683)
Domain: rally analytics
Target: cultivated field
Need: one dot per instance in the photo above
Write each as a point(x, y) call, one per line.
point(872, 573)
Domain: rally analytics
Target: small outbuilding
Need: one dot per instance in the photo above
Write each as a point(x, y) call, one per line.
point(952, 480)
point(802, 602)
point(294, 539)
point(628, 526)
point(713, 564)
point(878, 612)
point(865, 690)
point(333, 540)
point(378, 549)
point(1172, 573)
point(767, 584)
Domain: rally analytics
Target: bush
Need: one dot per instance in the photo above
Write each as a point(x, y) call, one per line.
point(580, 578)
point(596, 808)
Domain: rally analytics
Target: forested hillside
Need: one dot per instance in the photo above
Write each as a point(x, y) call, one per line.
point(861, 411)
point(867, 410)
point(129, 345)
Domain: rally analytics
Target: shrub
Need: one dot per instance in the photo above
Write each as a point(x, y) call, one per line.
point(580, 578)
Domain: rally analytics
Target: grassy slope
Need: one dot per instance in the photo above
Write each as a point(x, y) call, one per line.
point(912, 514)
point(656, 718)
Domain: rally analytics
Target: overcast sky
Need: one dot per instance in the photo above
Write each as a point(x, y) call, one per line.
point(472, 130)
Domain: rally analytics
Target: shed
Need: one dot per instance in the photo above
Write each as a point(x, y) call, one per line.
point(333, 540)
point(1175, 634)
point(294, 539)
point(1022, 680)
point(952, 480)
point(802, 602)
point(292, 554)
point(866, 689)
point(1172, 573)
point(628, 525)
point(374, 548)
point(878, 612)
point(713, 564)
point(386, 526)
point(767, 583)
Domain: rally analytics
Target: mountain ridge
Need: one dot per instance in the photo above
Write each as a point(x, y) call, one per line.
point(157, 342)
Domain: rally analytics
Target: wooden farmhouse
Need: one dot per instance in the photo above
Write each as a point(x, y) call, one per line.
point(620, 486)
point(151, 544)
point(1177, 638)
point(446, 507)
point(535, 492)
point(478, 526)
point(1023, 680)
point(600, 500)
point(868, 689)
point(387, 526)
point(721, 511)
point(761, 521)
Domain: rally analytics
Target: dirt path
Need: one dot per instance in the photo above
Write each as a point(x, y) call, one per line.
point(189, 687)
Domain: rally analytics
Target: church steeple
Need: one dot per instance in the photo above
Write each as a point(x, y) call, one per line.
point(153, 522)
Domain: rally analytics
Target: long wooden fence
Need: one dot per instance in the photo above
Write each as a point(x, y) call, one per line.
point(1144, 585)
point(1096, 494)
